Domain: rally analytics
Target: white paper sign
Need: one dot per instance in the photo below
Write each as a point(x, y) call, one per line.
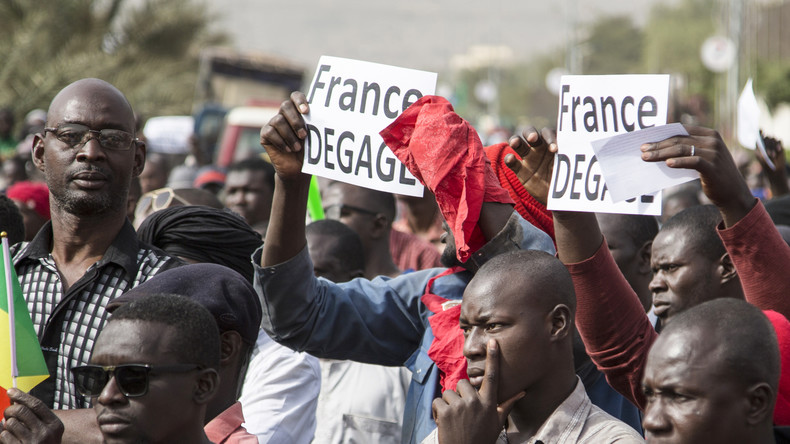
point(350, 102)
point(627, 175)
point(596, 107)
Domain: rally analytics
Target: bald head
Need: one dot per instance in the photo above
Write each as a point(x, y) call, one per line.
point(712, 376)
point(540, 276)
point(94, 93)
point(737, 331)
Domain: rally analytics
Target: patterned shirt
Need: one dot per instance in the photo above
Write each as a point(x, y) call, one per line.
point(68, 323)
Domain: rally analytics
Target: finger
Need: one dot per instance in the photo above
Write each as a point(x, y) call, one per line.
point(294, 119)
point(670, 148)
point(504, 408)
point(270, 139)
point(299, 99)
point(450, 397)
point(465, 389)
point(16, 430)
point(529, 138)
point(438, 407)
point(7, 438)
point(286, 132)
point(490, 386)
point(550, 137)
point(517, 167)
point(34, 406)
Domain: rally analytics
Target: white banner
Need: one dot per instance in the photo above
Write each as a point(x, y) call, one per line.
point(350, 102)
point(593, 108)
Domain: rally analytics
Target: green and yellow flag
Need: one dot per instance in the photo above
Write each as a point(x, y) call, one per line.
point(21, 361)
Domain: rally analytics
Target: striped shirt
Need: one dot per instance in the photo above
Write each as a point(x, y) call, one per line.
point(68, 323)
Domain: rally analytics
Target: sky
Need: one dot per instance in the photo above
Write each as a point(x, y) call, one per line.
point(422, 34)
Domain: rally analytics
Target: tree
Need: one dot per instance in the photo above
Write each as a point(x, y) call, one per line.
point(149, 51)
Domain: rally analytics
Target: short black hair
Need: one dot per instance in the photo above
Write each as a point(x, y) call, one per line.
point(11, 220)
point(700, 222)
point(347, 246)
point(255, 163)
point(639, 228)
point(745, 335)
point(197, 341)
point(541, 268)
point(374, 200)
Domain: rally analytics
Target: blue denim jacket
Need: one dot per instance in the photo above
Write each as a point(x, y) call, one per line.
point(380, 321)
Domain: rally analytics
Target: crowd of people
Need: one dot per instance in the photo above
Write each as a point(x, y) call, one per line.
point(211, 312)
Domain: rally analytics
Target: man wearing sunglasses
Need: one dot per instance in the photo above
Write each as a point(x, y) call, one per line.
point(89, 253)
point(152, 376)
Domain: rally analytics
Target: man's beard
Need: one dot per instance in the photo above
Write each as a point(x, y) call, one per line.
point(449, 258)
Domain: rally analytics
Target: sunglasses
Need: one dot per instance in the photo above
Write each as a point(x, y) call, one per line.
point(76, 135)
point(157, 200)
point(131, 379)
point(337, 210)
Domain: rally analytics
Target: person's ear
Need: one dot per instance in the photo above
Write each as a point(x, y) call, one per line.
point(727, 268)
point(760, 404)
point(230, 344)
point(561, 322)
point(206, 386)
point(139, 148)
point(38, 152)
point(643, 257)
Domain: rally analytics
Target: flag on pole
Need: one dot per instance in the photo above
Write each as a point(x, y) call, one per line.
point(22, 363)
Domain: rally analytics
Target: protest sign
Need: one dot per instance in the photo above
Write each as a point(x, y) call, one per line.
point(627, 175)
point(350, 102)
point(593, 108)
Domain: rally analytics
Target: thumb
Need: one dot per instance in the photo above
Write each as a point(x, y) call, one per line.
point(504, 408)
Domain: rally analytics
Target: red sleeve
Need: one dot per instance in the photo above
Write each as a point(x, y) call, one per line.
point(762, 259)
point(612, 322)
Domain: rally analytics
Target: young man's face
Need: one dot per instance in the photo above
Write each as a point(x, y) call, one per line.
point(162, 414)
point(690, 398)
point(496, 308)
point(248, 193)
point(682, 276)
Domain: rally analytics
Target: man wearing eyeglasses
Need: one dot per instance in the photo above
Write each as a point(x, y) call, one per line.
point(88, 254)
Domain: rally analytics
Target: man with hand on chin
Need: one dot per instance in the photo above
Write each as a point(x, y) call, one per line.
point(517, 318)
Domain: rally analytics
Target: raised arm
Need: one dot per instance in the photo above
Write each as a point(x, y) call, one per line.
point(283, 138)
point(756, 248)
point(609, 316)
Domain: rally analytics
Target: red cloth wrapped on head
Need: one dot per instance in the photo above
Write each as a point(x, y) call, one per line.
point(444, 152)
point(526, 205)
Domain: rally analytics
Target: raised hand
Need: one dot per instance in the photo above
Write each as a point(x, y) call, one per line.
point(284, 136)
point(537, 152)
point(704, 150)
point(468, 416)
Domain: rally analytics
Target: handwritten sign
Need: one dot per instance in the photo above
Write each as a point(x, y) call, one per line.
point(593, 108)
point(350, 102)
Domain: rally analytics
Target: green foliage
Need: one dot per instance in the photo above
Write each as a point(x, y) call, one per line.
point(773, 80)
point(149, 51)
point(614, 46)
point(673, 37)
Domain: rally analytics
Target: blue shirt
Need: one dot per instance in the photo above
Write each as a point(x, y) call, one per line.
point(380, 321)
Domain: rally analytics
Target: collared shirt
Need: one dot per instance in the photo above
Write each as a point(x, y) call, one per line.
point(380, 321)
point(576, 420)
point(280, 393)
point(226, 428)
point(68, 323)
